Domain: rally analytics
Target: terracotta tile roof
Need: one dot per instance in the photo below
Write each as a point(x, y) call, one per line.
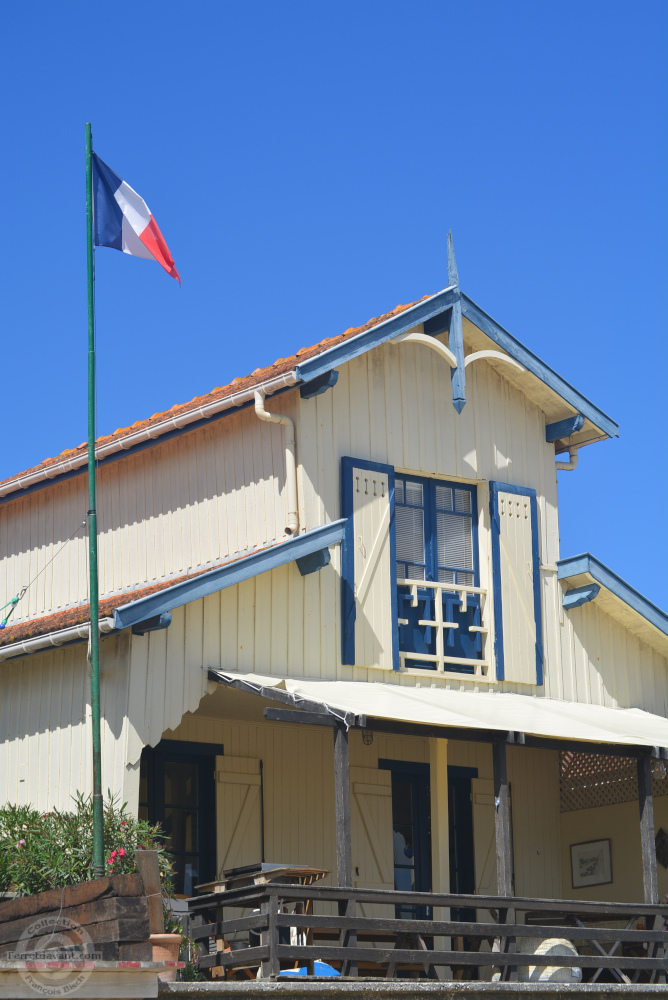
point(80, 615)
point(279, 367)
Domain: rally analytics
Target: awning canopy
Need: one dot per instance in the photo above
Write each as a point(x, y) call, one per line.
point(352, 701)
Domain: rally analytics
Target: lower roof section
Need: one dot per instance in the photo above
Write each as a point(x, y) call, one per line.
point(618, 598)
point(355, 702)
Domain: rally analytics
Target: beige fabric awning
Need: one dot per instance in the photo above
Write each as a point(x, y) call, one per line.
point(542, 717)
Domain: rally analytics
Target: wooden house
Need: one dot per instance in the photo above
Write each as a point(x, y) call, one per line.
point(338, 630)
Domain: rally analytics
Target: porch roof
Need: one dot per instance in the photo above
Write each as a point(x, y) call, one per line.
point(355, 702)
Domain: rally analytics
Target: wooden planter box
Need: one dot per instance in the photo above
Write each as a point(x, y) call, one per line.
point(88, 940)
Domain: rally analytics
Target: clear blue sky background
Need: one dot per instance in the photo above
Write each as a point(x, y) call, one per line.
point(305, 161)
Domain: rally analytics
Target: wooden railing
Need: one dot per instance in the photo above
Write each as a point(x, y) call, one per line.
point(460, 594)
point(293, 925)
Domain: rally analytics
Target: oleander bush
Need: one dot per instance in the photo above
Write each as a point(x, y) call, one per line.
point(41, 851)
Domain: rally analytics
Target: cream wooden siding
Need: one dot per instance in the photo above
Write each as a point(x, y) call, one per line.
point(219, 490)
point(534, 783)
point(621, 825)
point(299, 796)
point(197, 499)
point(45, 734)
point(298, 780)
point(603, 663)
point(45, 725)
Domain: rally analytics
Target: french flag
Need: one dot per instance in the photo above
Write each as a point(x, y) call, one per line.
point(122, 219)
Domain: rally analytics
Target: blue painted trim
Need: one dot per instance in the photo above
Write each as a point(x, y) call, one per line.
point(564, 428)
point(364, 342)
point(154, 624)
point(456, 345)
point(537, 367)
point(228, 575)
point(578, 596)
point(318, 385)
point(586, 563)
point(314, 561)
point(494, 489)
point(348, 610)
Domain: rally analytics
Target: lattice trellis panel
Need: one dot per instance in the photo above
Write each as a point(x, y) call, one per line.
point(588, 780)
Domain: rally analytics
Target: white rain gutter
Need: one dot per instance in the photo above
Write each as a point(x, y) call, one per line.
point(53, 639)
point(572, 462)
point(292, 516)
point(149, 433)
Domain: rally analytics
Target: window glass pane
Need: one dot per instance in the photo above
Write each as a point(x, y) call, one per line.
point(415, 572)
point(143, 813)
point(448, 576)
point(404, 881)
point(402, 802)
point(414, 493)
point(180, 783)
point(454, 540)
point(401, 571)
point(181, 829)
point(404, 852)
point(463, 501)
point(465, 578)
point(410, 534)
point(444, 497)
point(398, 490)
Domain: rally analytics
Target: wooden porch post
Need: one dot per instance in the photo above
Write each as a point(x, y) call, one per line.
point(344, 854)
point(344, 862)
point(646, 804)
point(504, 860)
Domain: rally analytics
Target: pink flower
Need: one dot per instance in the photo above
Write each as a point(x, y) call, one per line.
point(111, 871)
point(22, 841)
point(122, 822)
point(110, 861)
point(113, 854)
point(122, 852)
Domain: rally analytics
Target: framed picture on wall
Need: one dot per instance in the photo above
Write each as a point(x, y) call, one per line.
point(591, 863)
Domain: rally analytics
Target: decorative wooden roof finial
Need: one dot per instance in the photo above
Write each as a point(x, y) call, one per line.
point(453, 277)
point(455, 333)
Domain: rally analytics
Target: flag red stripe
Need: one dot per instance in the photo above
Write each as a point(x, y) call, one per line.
point(154, 242)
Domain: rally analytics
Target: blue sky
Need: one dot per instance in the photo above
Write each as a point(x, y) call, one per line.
point(305, 162)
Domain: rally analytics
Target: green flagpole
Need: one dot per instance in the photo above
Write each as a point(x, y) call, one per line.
point(98, 814)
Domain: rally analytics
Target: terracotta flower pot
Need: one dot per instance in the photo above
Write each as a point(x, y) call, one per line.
point(166, 949)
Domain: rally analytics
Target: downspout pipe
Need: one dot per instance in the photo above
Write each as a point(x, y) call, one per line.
point(572, 461)
point(292, 525)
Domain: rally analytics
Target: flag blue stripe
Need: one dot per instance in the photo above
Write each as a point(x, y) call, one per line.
point(107, 214)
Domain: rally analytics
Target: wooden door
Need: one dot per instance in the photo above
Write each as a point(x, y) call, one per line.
point(238, 811)
point(371, 825)
point(484, 836)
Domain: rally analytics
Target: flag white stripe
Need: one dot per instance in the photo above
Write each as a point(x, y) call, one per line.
point(133, 207)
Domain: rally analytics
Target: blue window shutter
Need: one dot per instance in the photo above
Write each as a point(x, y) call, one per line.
point(351, 470)
point(515, 579)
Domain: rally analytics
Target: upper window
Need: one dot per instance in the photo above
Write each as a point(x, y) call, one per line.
point(436, 542)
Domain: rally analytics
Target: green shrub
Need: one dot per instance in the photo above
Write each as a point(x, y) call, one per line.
point(41, 851)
